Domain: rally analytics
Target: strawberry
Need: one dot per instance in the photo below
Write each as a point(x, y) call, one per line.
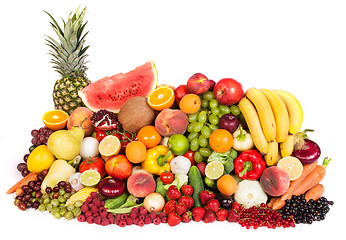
point(187, 190)
point(170, 206)
point(198, 213)
point(209, 216)
point(232, 216)
point(186, 217)
point(187, 201)
point(213, 205)
point(173, 219)
point(173, 193)
point(205, 196)
point(221, 215)
point(180, 209)
point(236, 206)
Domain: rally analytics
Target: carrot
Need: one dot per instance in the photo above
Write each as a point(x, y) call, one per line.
point(315, 192)
point(271, 201)
point(313, 178)
point(30, 177)
point(280, 202)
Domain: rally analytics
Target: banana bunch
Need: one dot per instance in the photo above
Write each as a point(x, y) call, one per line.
point(273, 117)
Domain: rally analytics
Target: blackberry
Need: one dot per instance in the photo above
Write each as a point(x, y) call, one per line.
point(306, 211)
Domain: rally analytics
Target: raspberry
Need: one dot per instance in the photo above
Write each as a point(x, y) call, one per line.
point(81, 218)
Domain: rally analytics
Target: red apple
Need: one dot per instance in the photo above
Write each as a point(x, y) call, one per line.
point(228, 91)
point(180, 92)
point(198, 84)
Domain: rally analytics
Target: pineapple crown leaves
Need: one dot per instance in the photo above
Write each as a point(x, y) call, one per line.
point(69, 54)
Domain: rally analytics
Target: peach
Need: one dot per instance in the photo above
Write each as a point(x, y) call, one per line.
point(275, 181)
point(198, 84)
point(171, 121)
point(81, 117)
point(140, 184)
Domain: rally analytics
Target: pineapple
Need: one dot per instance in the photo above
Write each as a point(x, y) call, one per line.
point(69, 61)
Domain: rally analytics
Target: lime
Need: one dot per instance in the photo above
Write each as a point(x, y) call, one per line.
point(292, 166)
point(90, 178)
point(178, 144)
point(214, 170)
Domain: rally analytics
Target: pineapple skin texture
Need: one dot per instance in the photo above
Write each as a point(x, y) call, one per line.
point(65, 93)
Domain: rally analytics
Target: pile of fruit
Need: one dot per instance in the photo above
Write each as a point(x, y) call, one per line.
point(124, 151)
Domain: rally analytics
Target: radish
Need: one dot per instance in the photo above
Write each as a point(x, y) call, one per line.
point(306, 150)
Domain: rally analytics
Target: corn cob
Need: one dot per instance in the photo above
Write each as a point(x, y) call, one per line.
point(81, 195)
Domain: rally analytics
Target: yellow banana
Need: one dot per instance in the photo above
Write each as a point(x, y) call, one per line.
point(264, 111)
point(287, 146)
point(272, 154)
point(295, 111)
point(250, 114)
point(280, 113)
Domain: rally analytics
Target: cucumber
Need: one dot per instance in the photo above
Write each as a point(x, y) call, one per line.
point(116, 202)
point(196, 182)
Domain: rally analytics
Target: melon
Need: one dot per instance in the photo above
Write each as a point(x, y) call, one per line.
point(111, 93)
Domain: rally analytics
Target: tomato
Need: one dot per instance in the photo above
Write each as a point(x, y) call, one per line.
point(167, 177)
point(100, 135)
point(190, 155)
point(94, 163)
point(125, 138)
point(118, 166)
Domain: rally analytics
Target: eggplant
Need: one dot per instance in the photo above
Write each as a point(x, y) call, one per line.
point(111, 187)
point(224, 200)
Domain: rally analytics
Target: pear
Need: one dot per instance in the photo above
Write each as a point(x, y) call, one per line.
point(66, 144)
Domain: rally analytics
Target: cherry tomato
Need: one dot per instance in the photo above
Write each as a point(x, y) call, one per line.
point(94, 163)
point(118, 166)
point(190, 155)
point(167, 177)
point(125, 139)
point(100, 135)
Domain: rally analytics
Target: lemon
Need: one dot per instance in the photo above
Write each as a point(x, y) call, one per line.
point(292, 166)
point(109, 146)
point(90, 178)
point(40, 159)
point(214, 170)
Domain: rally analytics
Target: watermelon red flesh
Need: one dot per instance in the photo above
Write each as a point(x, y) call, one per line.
point(111, 93)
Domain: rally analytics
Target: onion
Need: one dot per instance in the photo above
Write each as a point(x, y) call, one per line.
point(154, 202)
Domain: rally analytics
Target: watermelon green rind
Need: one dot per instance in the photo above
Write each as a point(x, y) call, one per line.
point(111, 93)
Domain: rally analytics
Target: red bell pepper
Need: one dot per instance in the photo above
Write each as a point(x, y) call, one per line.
point(249, 165)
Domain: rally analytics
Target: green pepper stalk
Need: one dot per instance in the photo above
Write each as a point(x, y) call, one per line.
point(242, 140)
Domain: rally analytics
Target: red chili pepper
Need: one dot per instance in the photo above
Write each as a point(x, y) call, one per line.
point(249, 165)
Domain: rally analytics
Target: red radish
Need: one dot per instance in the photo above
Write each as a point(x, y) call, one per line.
point(306, 150)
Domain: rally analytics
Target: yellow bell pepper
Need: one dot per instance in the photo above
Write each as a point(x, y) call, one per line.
point(157, 160)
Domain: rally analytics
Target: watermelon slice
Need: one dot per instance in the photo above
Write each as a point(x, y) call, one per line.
point(111, 93)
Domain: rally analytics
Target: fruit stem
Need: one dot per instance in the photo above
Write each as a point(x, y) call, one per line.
point(241, 137)
point(247, 166)
point(162, 159)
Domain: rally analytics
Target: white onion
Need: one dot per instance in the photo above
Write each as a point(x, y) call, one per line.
point(89, 148)
point(154, 202)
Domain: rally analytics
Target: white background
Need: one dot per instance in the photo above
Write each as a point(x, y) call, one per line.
point(298, 46)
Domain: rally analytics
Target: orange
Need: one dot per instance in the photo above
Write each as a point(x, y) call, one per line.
point(109, 146)
point(226, 184)
point(136, 152)
point(190, 103)
point(161, 98)
point(55, 119)
point(221, 140)
point(149, 136)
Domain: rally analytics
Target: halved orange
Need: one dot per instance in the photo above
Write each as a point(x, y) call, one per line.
point(161, 98)
point(109, 146)
point(55, 119)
